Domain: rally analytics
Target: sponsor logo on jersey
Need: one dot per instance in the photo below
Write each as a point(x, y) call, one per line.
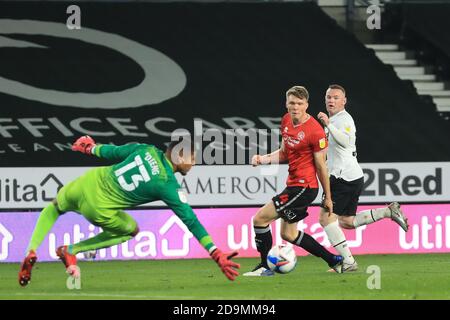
point(322, 143)
point(284, 198)
point(290, 214)
point(182, 195)
point(291, 141)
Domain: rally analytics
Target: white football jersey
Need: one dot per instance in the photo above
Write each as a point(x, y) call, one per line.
point(342, 161)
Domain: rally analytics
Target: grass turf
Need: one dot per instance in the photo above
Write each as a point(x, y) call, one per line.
point(425, 276)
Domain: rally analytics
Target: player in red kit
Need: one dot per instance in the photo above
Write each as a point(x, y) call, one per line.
point(304, 147)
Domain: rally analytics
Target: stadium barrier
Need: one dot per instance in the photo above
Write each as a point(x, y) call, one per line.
point(234, 185)
point(163, 235)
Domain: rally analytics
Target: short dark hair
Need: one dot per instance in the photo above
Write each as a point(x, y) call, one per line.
point(336, 86)
point(299, 92)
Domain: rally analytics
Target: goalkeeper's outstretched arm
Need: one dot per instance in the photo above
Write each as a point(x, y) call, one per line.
point(87, 145)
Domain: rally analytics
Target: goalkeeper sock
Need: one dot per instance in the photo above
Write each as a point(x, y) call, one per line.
point(104, 239)
point(263, 239)
point(370, 216)
point(338, 241)
point(308, 243)
point(45, 222)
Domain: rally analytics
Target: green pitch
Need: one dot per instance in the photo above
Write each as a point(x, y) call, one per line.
point(424, 276)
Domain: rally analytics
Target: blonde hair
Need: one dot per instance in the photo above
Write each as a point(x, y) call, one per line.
point(299, 92)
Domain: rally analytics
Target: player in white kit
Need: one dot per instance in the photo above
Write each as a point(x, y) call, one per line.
point(347, 179)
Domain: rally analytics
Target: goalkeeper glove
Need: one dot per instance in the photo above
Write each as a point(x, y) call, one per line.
point(84, 144)
point(226, 264)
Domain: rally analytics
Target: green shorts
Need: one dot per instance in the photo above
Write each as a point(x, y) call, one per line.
point(85, 195)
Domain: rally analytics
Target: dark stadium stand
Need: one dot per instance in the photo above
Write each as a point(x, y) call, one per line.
point(419, 28)
point(238, 58)
point(429, 22)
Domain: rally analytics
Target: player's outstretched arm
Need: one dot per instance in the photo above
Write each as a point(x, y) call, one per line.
point(225, 263)
point(84, 144)
point(87, 145)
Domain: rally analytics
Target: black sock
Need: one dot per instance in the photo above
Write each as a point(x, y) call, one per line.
point(308, 243)
point(263, 239)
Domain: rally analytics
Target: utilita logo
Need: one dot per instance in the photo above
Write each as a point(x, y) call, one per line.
point(164, 79)
point(12, 191)
point(148, 243)
point(428, 233)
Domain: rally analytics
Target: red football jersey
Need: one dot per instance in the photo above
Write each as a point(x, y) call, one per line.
point(300, 143)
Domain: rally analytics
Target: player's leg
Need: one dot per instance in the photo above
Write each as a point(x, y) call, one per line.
point(293, 208)
point(119, 228)
point(365, 217)
point(45, 222)
point(352, 221)
point(349, 221)
point(337, 239)
point(342, 194)
point(290, 233)
point(263, 238)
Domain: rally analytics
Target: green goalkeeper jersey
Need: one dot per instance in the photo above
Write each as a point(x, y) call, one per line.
point(143, 174)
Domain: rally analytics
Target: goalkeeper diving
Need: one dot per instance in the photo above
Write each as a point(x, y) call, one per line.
point(142, 173)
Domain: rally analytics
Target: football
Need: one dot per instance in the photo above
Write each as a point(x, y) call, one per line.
point(282, 259)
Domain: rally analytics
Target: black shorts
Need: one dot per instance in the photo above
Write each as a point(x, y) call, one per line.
point(345, 195)
point(293, 202)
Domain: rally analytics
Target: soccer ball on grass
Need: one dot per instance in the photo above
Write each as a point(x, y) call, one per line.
point(282, 259)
